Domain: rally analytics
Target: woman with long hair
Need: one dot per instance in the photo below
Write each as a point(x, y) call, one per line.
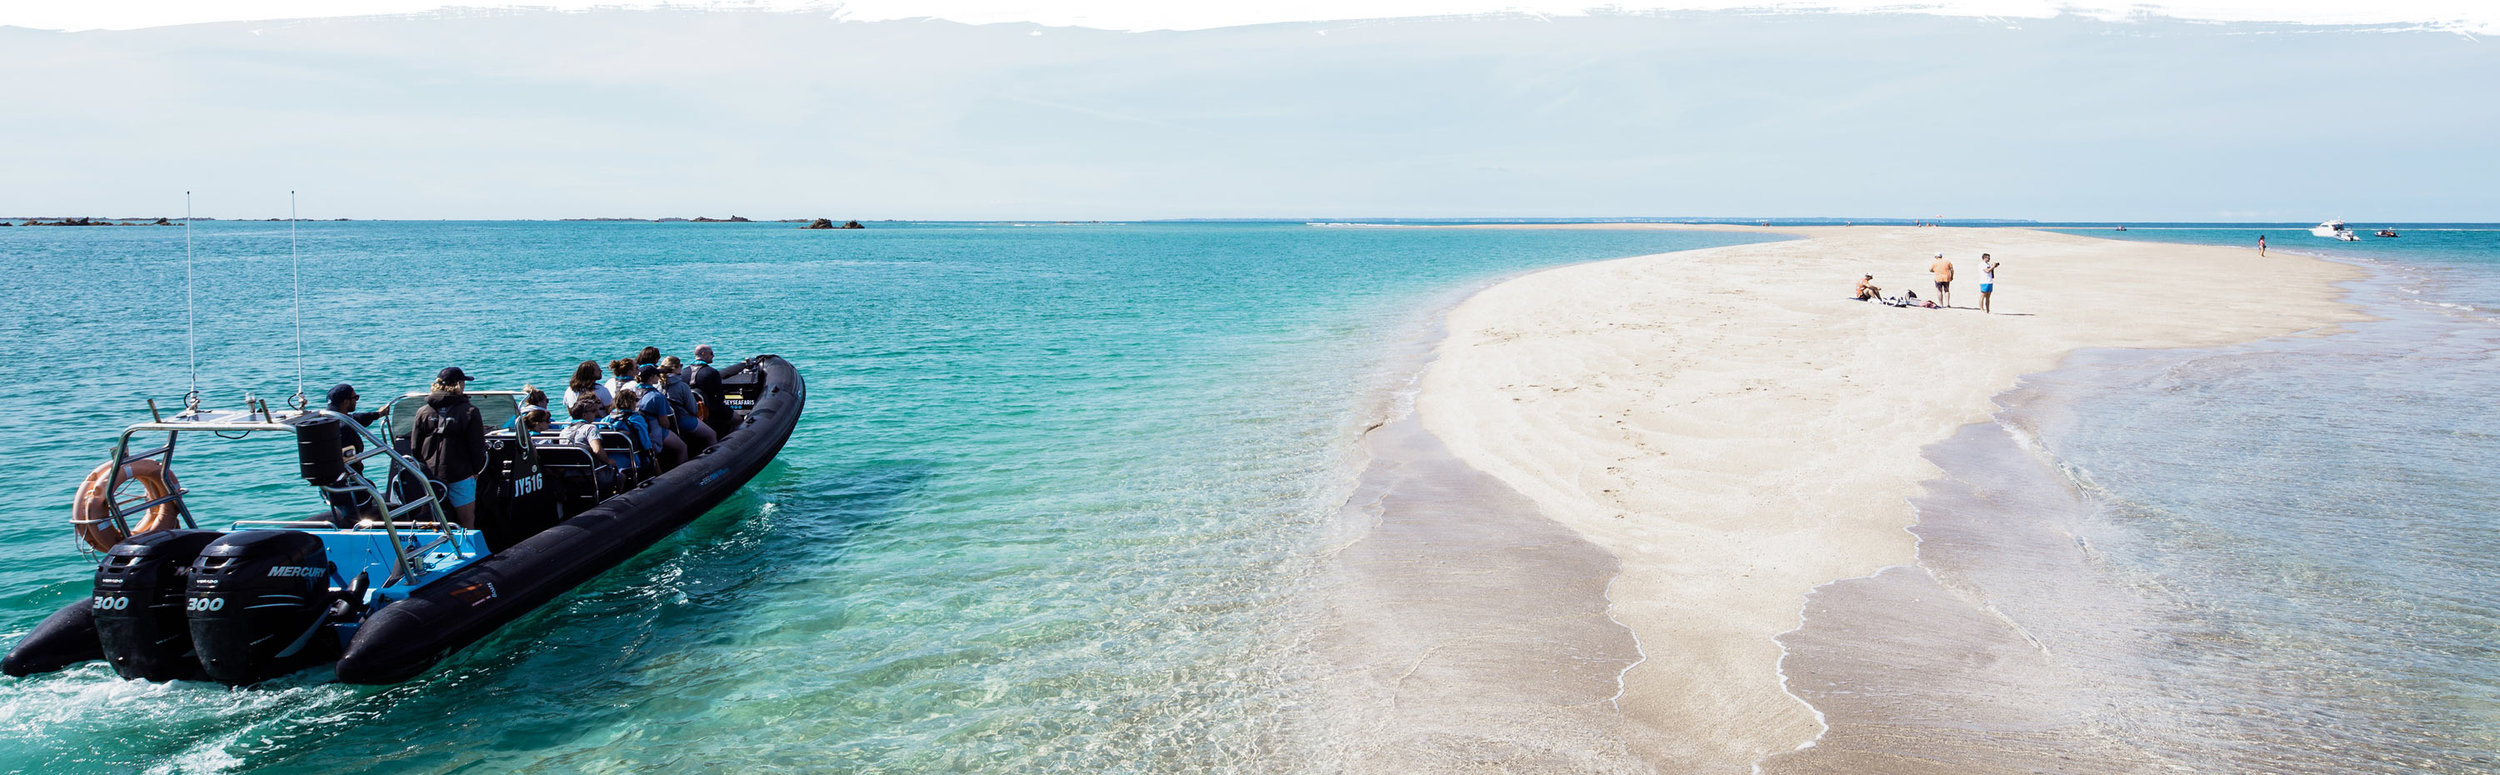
point(620, 375)
point(585, 384)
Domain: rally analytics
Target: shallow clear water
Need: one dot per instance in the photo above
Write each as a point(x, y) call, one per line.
point(1049, 509)
point(2277, 557)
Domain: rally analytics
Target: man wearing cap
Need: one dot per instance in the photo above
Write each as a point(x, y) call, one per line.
point(707, 381)
point(1944, 280)
point(450, 439)
point(345, 506)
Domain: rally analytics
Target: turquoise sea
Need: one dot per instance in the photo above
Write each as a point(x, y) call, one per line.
point(1050, 509)
point(1054, 502)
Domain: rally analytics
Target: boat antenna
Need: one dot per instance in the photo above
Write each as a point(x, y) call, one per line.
point(190, 400)
point(299, 401)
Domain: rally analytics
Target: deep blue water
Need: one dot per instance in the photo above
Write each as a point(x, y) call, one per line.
point(1048, 510)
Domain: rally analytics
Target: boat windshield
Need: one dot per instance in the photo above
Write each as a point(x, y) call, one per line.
point(495, 410)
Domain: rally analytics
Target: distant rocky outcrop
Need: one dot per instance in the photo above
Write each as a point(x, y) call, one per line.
point(91, 221)
point(826, 223)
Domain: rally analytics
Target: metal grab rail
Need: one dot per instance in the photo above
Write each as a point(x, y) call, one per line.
point(259, 418)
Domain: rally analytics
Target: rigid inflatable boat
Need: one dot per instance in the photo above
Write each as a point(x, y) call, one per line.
point(381, 584)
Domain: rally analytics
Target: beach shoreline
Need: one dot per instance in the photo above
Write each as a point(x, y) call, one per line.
point(1737, 433)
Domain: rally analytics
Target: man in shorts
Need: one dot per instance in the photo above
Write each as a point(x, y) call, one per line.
point(1944, 280)
point(450, 440)
point(1987, 280)
point(1867, 290)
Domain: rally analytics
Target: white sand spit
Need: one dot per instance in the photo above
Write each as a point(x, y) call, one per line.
point(1736, 431)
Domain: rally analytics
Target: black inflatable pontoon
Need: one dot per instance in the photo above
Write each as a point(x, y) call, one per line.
point(393, 593)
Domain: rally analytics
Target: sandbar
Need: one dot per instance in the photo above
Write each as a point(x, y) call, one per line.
point(1735, 431)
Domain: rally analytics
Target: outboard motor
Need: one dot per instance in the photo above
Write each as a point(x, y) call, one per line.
point(141, 602)
point(259, 605)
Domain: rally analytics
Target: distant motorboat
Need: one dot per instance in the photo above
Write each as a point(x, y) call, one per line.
point(2119, 228)
point(2335, 230)
point(2387, 232)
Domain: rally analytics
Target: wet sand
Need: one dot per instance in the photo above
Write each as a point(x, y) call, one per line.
point(1469, 632)
point(1736, 433)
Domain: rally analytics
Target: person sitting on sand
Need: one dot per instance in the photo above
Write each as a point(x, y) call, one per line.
point(1944, 279)
point(1867, 290)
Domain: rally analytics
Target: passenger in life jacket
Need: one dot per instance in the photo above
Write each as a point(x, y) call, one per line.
point(534, 419)
point(450, 439)
point(628, 420)
point(684, 403)
point(654, 406)
point(532, 398)
point(346, 506)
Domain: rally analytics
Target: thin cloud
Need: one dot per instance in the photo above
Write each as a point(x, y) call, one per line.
point(2465, 16)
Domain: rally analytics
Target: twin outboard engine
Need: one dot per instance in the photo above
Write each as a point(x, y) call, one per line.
point(260, 605)
point(141, 604)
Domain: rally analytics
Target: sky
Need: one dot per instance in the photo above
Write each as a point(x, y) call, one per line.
point(989, 110)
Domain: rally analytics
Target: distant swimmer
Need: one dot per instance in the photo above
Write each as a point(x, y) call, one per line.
point(1944, 280)
point(1987, 280)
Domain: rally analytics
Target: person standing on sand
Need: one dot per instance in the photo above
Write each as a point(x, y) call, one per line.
point(2261, 246)
point(1987, 280)
point(1944, 280)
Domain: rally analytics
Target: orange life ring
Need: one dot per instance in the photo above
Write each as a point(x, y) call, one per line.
point(92, 514)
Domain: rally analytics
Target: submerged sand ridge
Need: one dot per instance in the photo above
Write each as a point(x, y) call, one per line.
point(1736, 432)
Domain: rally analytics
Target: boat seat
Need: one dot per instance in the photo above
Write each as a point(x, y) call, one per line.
point(583, 479)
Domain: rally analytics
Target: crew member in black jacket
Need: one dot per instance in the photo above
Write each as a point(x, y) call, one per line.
point(706, 380)
point(450, 439)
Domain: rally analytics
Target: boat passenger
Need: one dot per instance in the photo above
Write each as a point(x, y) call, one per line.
point(621, 375)
point(534, 419)
point(686, 405)
point(650, 356)
point(450, 439)
point(627, 420)
point(706, 382)
point(345, 507)
point(653, 405)
point(583, 431)
point(531, 398)
point(585, 384)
